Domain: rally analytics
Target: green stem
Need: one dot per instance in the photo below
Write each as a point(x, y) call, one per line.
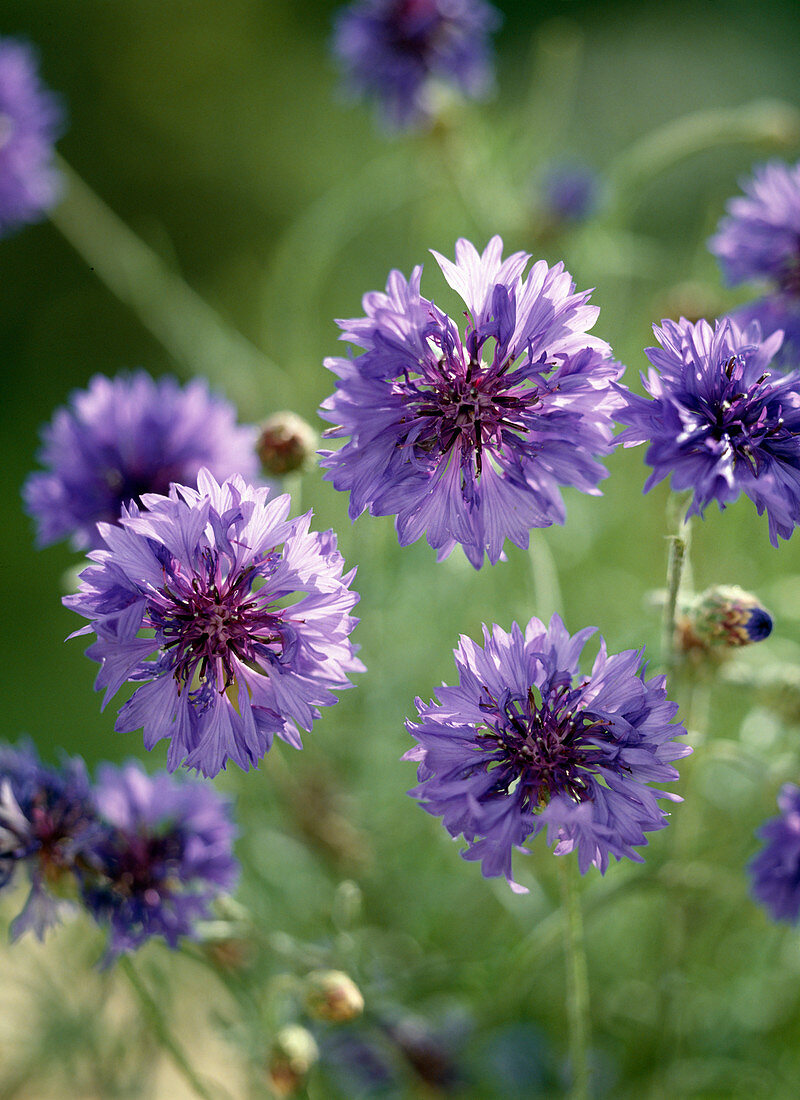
point(157, 1022)
point(677, 569)
point(193, 333)
point(577, 979)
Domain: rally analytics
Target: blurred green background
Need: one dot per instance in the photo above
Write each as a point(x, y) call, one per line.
point(218, 133)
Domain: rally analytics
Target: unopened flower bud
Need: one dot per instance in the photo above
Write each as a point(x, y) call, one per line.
point(294, 1052)
point(333, 995)
point(724, 615)
point(286, 443)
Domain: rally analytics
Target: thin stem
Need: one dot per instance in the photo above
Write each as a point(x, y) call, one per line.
point(158, 1023)
point(193, 333)
point(577, 979)
point(677, 573)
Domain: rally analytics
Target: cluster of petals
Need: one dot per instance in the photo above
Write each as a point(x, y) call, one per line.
point(125, 436)
point(163, 853)
point(461, 448)
point(31, 118)
point(759, 239)
point(232, 618)
point(145, 855)
point(396, 51)
point(775, 871)
point(47, 825)
point(523, 742)
point(720, 419)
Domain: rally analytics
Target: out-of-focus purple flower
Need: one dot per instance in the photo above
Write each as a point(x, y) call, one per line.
point(236, 618)
point(524, 741)
point(720, 420)
point(126, 436)
point(570, 191)
point(164, 854)
point(47, 822)
point(759, 238)
point(775, 313)
point(462, 449)
point(775, 871)
point(31, 119)
point(395, 51)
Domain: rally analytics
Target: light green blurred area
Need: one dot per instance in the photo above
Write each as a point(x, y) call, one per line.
point(216, 131)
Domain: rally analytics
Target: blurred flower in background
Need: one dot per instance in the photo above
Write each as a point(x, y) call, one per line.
point(570, 192)
point(164, 854)
point(31, 118)
point(759, 238)
point(523, 742)
point(775, 871)
point(398, 51)
point(227, 663)
point(125, 436)
point(719, 420)
point(47, 823)
point(462, 450)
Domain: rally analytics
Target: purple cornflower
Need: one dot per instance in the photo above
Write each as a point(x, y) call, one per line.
point(570, 191)
point(164, 854)
point(524, 741)
point(126, 436)
point(720, 420)
point(759, 238)
point(775, 313)
point(236, 618)
point(776, 870)
point(31, 119)
point(47, 822)
point(461, 448)
point(396, 51)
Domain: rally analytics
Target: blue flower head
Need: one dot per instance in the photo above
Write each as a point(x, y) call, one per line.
point(469, 439)
point(47, 824)
point(31, 119)
point(720, 419)
point(395, 51)
point(570, 191)
point(759, 239)
point(232, 618)
point(524, 742)
point(775, 871)
point(164, 854)
point(125, 436)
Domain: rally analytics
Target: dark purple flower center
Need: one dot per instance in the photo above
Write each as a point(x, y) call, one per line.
point(543, 744)
point(129, 485)
point(208, 621)
point(739, 419)
point(474, 407)
point(141, 866)
point(412, 26)
point(56, 822)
